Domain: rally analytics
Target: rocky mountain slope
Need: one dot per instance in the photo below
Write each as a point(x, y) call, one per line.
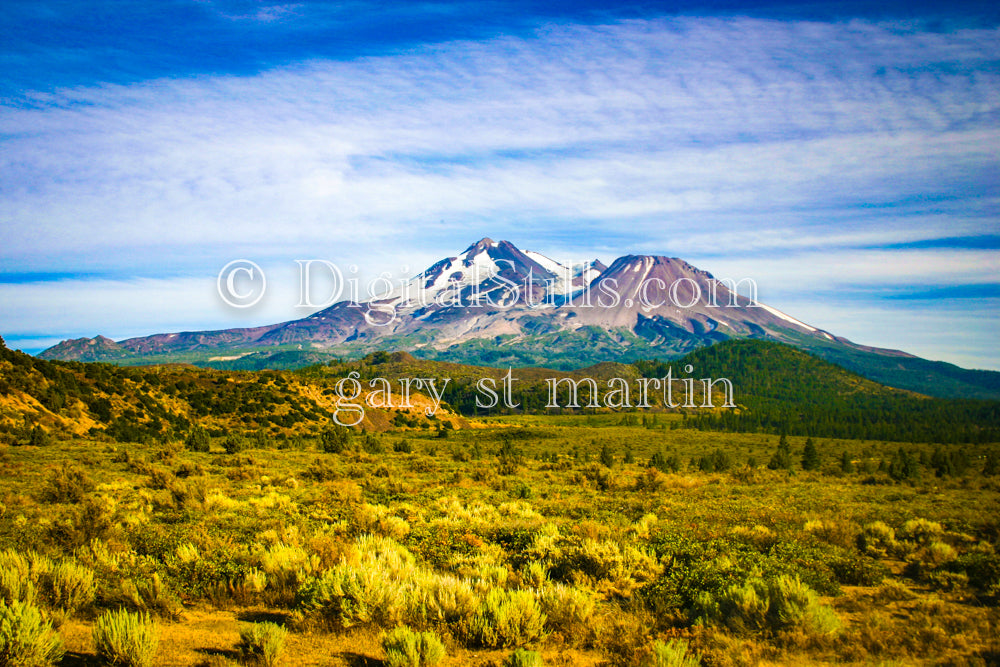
point(495, 304)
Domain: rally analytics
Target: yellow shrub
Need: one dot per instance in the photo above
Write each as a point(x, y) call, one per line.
point(921, 531)
point(285, 565)
point(394, 527)
point(187, 553)
point(641, 528)
point(518, 509)
point(444, 599)
point(505, 619)
point(568, 610)
point(217, 501)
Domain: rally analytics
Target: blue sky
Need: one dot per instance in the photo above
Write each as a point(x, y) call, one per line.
point(843, 155)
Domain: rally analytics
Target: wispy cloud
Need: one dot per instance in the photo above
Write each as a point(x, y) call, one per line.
point(728, 139)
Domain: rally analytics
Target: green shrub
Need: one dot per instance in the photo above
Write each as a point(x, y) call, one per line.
point(982, 568)
point(350, 595)
point(67, 484)
point(673, 653)
point(198, 440)
point(524, 658)
point(70, 586)
point(407, 648)
point(26, 640)
point(568, 610)
point(757, 606)
point(794, 604)
point(854, 569)
point(262, 643)
point(124, 638)
point(505, 619)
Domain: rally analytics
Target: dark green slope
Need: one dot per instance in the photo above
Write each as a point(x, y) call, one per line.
point(778, 388)
point(934, 378)
point(786, 390)
point(563, 350)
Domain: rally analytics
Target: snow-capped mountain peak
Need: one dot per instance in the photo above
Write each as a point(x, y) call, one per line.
point(493, 289)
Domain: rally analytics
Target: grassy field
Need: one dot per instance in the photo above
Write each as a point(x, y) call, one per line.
point(550, 533)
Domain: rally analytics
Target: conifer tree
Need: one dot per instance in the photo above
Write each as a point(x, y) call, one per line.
point(846, 463)
point(810, 456)
point(782, 459)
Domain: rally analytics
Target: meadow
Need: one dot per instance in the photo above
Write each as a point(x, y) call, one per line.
point(603, 539)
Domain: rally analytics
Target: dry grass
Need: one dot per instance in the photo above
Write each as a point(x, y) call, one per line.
point(204, 633)
point(268, 519)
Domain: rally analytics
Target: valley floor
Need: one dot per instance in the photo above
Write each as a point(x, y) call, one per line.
point(592, 540)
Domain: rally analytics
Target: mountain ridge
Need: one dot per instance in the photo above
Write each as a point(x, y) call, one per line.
point(779, 389)
point(494, 303)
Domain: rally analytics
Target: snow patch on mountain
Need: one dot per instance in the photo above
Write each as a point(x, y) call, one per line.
point(787, 318)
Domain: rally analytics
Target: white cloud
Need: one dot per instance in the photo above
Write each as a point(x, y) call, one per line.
point(823, 271)
point(969, 328)
point(637, 120)
point(721, 138)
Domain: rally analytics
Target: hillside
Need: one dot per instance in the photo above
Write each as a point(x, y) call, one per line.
point(786, 390)
point(776, 388)
point(167, 403)
point(934, 378)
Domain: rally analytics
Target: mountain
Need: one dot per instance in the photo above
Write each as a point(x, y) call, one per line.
point(98, 348)
point(495, 304)
point(493, 290)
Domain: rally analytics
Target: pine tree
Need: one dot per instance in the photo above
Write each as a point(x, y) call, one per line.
point(782, 459)
point(904, 466)
point(846, 463)
point(197, 440)
point(335, 439)
point(810, 456)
